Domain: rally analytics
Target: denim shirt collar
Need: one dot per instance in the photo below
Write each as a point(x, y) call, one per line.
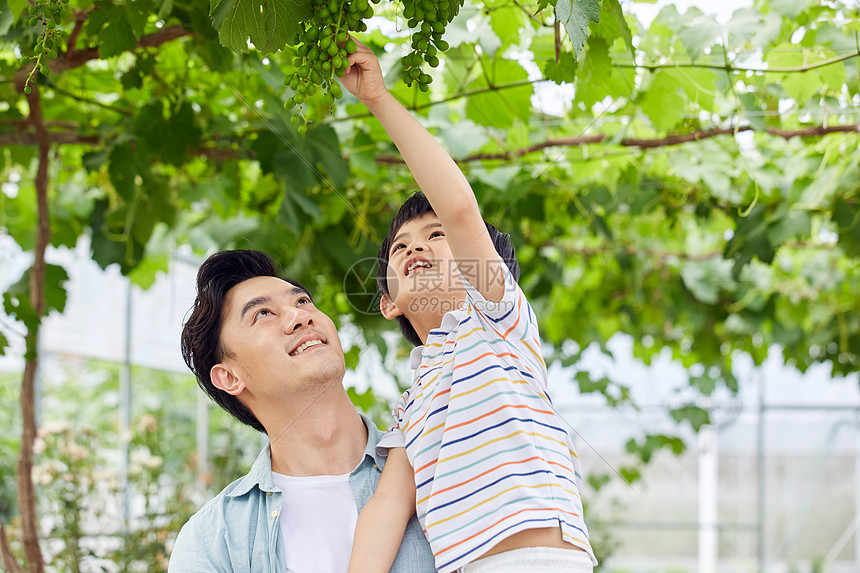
point(260, 474)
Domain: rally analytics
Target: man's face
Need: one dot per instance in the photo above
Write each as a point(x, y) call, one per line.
point(277, 342)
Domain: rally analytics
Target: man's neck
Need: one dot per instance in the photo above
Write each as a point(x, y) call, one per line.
point(328, 438)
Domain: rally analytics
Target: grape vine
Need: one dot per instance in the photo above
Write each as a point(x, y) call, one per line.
point(48, 13)
point(324, 46)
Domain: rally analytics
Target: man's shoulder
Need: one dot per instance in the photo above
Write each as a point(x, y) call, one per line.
point(231, 496)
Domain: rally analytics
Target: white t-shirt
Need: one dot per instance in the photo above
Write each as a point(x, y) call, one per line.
point(317, 522)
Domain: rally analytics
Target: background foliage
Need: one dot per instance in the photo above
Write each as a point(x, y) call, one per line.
point(690, 184)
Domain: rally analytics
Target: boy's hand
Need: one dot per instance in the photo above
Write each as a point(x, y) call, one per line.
point(363, 77)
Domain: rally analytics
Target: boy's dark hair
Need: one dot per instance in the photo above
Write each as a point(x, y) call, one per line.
point(415, 207)
point(201, 333)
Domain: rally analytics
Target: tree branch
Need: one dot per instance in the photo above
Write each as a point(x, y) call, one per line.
point(8, 559)
point(730, 68)
point(80, 19)
point(75, 138)
point(456, 96)
point(26, 491)
point(670, 140)
point(53, 137)
point(75, 58)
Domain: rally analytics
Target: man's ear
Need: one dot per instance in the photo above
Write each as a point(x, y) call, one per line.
point(388, 309)
point(225, 379)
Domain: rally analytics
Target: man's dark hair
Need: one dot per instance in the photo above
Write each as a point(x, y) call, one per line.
point(415, 207)
point(201, 333)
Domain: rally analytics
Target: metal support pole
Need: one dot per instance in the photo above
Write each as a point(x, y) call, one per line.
point(708, 500)
point(857, 504)
point(760, 470)
point(125, 414)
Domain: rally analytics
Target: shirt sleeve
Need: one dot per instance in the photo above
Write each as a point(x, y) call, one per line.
point(393, 437)
point(512, 316)
point(189, 555)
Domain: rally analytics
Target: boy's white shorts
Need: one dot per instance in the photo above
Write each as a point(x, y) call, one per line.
point(533, 560)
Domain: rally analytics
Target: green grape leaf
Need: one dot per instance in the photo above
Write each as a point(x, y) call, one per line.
point(750, 239)
point(652, 443)
point(117, 26)
point(801, 87)
point(587, 385)
point(597, 77)
point(790, 8)
point(506, 22)
point(706, 278)
point(615, 26)
point(168, 139)
point(499, 108)
point(145, 273)
point(699, 31)
point(269, 24)
point(846, 215)
point(832, 76)
point(122, 170)
point(322, 142)
point(16, 7)
point(564, 70)
point(576, 15)
point(697, 417)
point(55, 291)
point(294, 171)
point(16, 299)
point(788, 224)
point(7, 18)
point(663, 101)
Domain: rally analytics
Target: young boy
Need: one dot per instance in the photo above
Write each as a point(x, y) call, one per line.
point(476, 447)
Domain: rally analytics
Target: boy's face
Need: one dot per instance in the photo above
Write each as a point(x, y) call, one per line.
point(422, 274)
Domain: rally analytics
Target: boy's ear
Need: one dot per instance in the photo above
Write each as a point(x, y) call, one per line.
point(225, 379)
point(388, 309)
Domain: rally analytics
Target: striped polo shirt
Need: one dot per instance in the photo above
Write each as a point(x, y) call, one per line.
point(490, 455)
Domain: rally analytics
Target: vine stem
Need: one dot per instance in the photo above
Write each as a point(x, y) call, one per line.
point(652, 68)
point(26, 490)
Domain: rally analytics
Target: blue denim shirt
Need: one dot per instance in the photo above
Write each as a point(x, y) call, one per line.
point(238, 531)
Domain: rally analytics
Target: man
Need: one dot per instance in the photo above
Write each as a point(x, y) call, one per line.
point(261, 349)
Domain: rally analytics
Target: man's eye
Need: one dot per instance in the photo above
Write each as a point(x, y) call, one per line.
point(262, 312)
point(304, 300)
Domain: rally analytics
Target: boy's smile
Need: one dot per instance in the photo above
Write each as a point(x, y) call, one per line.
point(415, 263)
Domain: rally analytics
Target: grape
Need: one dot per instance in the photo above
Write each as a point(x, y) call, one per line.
point(322, 52)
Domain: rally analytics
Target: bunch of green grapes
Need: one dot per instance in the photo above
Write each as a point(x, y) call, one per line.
point(322, 52)
point(49, 13)
point(428, 18)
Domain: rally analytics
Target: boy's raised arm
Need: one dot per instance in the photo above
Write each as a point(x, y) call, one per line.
point(434, 171)
point(383, 520)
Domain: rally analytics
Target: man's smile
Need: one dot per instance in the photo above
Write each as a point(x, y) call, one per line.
point(305, 343)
